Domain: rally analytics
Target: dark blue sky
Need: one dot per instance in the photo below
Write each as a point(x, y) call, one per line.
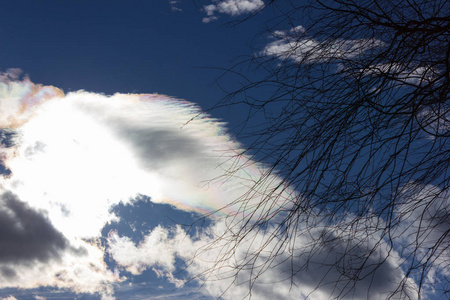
point(123, 46)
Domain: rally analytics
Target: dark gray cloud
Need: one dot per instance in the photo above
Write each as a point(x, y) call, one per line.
point(159, 147)
point(348, 266)
point(329, 267)
point(26, 235)
point(7, 272)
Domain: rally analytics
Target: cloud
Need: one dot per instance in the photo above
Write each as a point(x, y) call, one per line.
point(9, 298)
point(328, 263)
point(34, 253)
point(19, 97)
point(80, 273)
point(174, 5)
point(295, 45)
point(422, 233)
point(157, 250)
point(232, 8)
point(26, 235)
point(73, 157)
point(404, 74)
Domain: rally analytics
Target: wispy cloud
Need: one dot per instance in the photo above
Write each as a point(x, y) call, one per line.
point(403, 74)
point(297, 46)
point(231, 7)
point(175, 5)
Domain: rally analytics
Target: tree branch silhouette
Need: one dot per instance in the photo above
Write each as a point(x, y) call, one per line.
point(352, 113)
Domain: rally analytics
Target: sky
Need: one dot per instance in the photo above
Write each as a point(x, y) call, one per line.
point(124, 46)
point(120, 183)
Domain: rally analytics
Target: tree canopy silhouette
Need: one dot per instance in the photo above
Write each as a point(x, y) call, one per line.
point(353, 113)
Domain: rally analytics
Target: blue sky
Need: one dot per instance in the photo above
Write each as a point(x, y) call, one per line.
point(112, 163)
point(123, 46)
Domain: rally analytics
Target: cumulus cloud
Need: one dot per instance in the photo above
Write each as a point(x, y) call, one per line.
point(157, 250)
point(75, 156)
point(325, 264)
point(34, 253)
point(231, 7)
point(86, 273)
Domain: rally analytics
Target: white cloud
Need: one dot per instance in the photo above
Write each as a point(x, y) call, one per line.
point(422, 232)
point(295, 45)
point(18, 98)
point(231, 7)
point(34, 253)
point(308, 266)
point(315, 266)
point(175, 5)
point(157, 249)
point(86, 273)
point(75, 156)
point(294, 31)
point(404, 74)
point(87, 150)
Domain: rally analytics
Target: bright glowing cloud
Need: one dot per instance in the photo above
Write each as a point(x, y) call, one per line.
point(18, 98)
point(74, 156)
